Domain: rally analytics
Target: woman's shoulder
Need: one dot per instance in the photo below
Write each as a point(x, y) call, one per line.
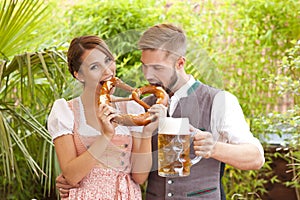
point(61, 118)
point(62, 103)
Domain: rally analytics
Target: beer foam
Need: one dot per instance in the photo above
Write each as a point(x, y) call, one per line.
point(173, 126)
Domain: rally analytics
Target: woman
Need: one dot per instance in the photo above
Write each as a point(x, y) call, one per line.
point(96, 156)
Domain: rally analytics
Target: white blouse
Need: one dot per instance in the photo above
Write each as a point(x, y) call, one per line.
point(61, 119)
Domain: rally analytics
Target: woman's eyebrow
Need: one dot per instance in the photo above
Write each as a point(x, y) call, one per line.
point(96, 63)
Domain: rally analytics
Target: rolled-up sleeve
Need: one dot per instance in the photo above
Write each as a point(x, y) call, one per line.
point(61, 119)
point(228, 122)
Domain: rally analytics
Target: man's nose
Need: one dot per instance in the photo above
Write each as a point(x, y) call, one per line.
point(149, 75)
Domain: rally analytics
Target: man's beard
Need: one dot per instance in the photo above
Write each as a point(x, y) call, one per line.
point(169, 87)
point(172, 83)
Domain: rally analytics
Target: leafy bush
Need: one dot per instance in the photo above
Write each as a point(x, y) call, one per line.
point(234, 44)
point(285, 125)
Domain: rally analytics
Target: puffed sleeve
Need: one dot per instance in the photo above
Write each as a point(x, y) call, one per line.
point(61, 119)
point(135, 108)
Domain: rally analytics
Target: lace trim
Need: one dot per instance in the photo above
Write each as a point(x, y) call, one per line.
point(86, 130)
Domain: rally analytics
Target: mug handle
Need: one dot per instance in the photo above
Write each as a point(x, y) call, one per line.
point(197, 158)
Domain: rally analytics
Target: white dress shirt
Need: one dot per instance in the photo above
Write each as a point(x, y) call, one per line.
point(228, 123)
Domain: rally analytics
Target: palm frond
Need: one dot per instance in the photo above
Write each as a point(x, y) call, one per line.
point(18, 21)
point(29, 85)
point(7, 152)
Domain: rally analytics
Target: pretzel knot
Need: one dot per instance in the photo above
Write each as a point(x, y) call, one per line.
point(132, 119)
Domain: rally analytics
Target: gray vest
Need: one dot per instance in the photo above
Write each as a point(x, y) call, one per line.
point(204, 179)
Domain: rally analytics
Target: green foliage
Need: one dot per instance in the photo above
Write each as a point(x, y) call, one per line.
point(283, 124)
point(287, 82)
point(240, 184)
point(258, 37)
point(29, 85)
point(120, 24)
point(109, 18)
point(23, 100)
point(20, 26)
point(241, 46)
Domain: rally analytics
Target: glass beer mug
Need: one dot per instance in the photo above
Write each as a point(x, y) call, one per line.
point(174, 140)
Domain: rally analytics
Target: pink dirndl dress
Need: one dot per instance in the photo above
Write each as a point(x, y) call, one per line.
point(105, 182)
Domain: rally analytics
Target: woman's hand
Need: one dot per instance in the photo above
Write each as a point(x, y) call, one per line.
point(105, 115)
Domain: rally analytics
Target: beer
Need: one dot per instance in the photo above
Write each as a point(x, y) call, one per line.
point(173, 155)
point(174, 139)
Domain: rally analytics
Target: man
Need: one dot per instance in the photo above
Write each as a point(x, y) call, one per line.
point(227, 138)
point(222, 134)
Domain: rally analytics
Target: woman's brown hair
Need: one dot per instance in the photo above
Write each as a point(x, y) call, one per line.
point(79, 45)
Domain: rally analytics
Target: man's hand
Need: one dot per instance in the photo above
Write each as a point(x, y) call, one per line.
point(203, 143)
point(63, 187)
point(157, 111)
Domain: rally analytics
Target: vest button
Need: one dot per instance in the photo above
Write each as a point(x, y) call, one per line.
point(170, 182)
point(170, 194)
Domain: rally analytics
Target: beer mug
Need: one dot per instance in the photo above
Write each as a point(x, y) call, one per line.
point(174, 139)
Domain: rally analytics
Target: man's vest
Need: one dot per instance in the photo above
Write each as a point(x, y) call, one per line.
point(204, 181)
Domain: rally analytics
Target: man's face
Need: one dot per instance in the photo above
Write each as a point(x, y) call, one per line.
point(159, 69)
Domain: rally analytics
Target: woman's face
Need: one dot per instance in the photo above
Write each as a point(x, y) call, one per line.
point(96, 67)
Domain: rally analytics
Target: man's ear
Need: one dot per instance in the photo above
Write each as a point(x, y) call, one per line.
point(180, 62)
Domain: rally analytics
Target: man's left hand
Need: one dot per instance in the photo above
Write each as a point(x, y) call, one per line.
point(203, 143)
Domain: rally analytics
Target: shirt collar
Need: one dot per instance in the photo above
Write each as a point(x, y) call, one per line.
point(183, 91)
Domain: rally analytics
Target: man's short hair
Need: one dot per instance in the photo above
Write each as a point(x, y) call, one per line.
point(166, 37)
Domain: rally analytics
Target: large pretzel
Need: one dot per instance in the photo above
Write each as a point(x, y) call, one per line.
point(132, 119)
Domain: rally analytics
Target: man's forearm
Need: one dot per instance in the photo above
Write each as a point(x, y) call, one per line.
point(241, 156)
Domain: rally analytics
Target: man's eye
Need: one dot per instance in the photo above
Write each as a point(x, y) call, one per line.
point(157, 67)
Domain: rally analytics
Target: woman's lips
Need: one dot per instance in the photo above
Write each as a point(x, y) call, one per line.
point(104, 80)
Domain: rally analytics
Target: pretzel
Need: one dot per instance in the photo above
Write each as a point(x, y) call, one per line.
point(132, 119)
